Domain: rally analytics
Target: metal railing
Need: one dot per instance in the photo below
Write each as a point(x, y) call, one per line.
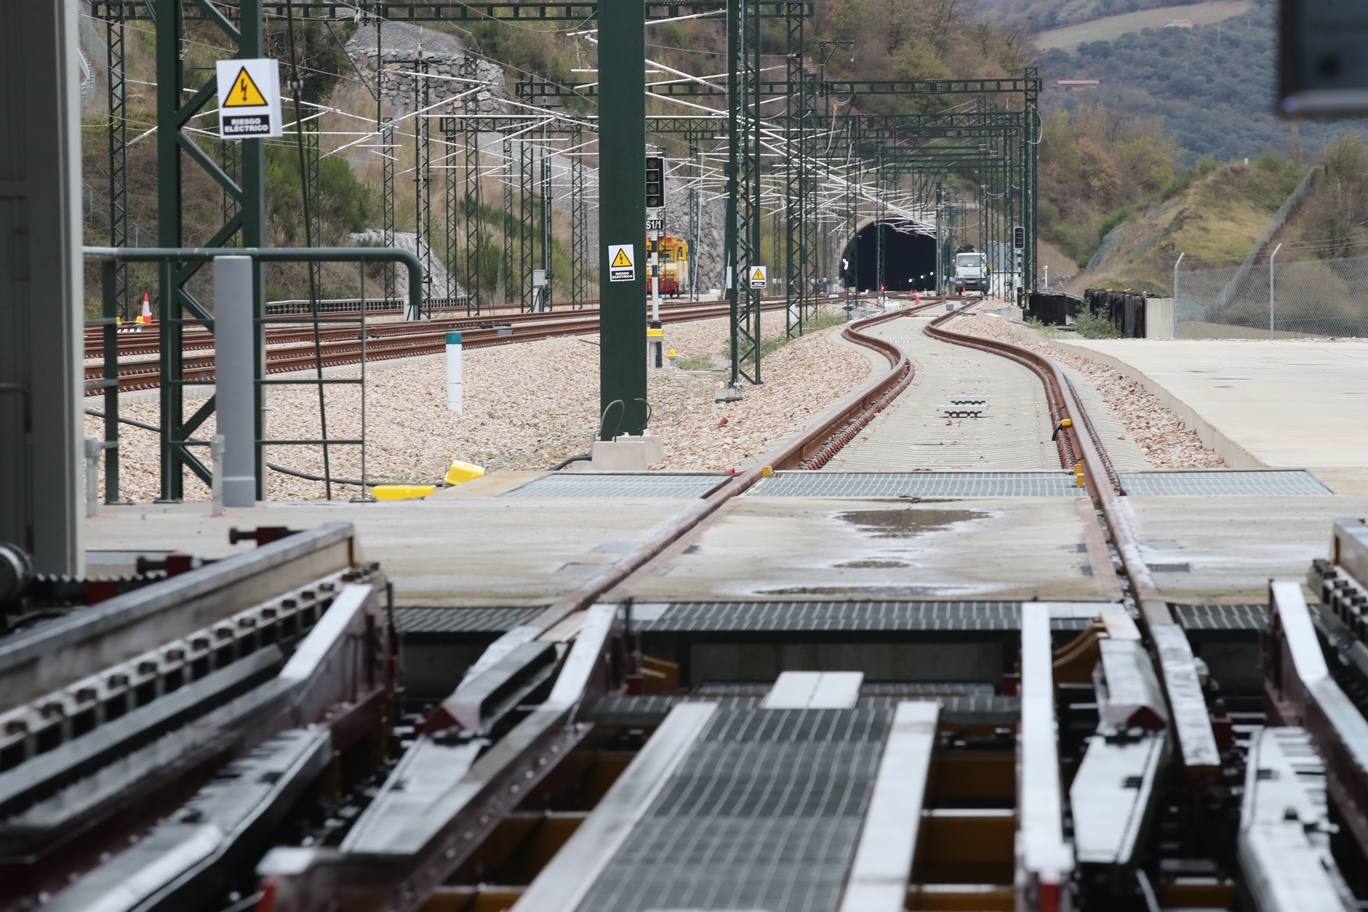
point(175, 431)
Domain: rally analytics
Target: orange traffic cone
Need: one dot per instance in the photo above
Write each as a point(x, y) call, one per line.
point(145, 318)
point(916, 297)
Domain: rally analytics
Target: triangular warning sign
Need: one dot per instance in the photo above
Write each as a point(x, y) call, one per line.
point(759, 276)
point(245, 93)
point(622, 260)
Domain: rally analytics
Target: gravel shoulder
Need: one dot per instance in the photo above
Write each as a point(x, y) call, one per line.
point(1160, 435)
point(527, 406)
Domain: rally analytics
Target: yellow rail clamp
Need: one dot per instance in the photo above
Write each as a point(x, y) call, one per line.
point(1080, 480)
point(655, 333)
point(1078, 469)
point(462, 472)
point(767, 472)
point(402, 492)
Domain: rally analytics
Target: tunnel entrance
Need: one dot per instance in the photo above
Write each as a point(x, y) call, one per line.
point(909, 260)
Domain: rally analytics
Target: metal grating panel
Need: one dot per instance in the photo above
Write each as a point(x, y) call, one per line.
point(461, 620)
point(581, 484)
point(906, 690)
point(763, 813)
point(917, 484)
point(957, 706)
point(1222, 481)
point(875, 616)
point(1221, 617)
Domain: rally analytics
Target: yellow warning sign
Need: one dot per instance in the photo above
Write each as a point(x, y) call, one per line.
point(621, 267)
point(758, 275)
point(244, 93)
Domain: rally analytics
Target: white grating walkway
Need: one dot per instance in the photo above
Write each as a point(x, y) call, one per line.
point(1012, 433)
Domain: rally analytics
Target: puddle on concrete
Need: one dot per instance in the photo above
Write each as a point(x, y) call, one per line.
point(873, 564)
point(870, 591)
point(907, 523)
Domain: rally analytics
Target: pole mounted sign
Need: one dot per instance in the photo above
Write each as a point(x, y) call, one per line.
point(621, 263)
point(249, 99)
point(758, 277)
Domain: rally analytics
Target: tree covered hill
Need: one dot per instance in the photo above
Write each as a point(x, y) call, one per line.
point(1211, 87)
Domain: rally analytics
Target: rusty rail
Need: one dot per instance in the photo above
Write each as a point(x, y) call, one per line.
point(1200, 753)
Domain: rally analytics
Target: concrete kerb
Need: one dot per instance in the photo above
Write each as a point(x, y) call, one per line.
point(1235, 455)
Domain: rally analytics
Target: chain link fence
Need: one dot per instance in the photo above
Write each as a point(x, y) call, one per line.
point(1281, 299)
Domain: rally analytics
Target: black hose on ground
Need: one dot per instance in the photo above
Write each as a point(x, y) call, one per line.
point(578, 457)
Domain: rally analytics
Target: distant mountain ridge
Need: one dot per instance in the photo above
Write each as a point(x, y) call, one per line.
point(1040, 15)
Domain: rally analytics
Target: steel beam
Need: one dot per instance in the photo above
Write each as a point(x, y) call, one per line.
point(882, 866)
point(1286, 828)
point(1045, 861)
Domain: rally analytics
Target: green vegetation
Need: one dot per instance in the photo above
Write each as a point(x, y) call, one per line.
point(1090, 326)
point(1209, 86)
point(1096, 171)
point(346, 203)
point(917, 39)
point(1333, 220)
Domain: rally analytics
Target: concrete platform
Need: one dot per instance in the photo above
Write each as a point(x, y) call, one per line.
point(463, 547)
point(1208, 550)
point(972, 548)
point(1259, 403)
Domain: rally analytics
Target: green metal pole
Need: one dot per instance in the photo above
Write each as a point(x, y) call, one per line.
point(253, 153)
point(731, 235)
point(754, 222)
point(169, 234)
point(622, 216)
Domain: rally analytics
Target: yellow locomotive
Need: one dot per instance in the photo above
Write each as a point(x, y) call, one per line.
point(674, 264)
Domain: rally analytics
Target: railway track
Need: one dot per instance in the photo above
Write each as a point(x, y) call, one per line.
point(602, 755)
point(292, 349)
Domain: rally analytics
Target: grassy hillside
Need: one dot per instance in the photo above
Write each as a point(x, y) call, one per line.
point(1214, 218)
point(1109, 28)
point(1332, 222)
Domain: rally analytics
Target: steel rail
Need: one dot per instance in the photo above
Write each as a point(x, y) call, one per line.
point(1196, 737)
point(144, 339)
point(404, 878)
point(815, 447)
point(400, 341)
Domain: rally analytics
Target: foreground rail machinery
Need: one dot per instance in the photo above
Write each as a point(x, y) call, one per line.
point(273, 731)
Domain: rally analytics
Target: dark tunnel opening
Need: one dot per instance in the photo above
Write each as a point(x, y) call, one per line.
point(909, 260)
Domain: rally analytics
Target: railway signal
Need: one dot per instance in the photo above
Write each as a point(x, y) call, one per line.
point(655, 184)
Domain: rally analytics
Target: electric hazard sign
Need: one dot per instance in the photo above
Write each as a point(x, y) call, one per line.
point(621, 263)
point(249, 99)
point(758, 277)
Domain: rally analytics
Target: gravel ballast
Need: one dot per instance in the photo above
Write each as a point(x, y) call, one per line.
point(527, 406)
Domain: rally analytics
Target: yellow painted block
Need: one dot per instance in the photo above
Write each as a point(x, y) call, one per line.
point(461, 472)
point(655, 333)
point(402, 492)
